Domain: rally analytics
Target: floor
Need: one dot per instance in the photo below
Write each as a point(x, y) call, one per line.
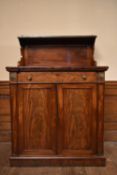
point(110, 169)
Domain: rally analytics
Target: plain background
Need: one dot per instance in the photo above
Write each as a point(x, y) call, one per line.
point(59, 17)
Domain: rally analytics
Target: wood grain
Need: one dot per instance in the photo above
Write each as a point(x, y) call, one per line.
point(77, 135)
point(57, 51)
point(56, 77)
point(37, 119)
point(111, 111)
point(5, 126)
point(110, 125)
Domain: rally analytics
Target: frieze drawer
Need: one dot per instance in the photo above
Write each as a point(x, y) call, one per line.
point(57, 77)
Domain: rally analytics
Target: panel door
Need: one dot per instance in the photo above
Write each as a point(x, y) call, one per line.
point(77, 106)
point(36, 119)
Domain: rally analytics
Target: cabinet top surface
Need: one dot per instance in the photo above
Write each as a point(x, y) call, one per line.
point(59, 69)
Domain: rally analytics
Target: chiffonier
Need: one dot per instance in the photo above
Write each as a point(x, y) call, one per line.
point(57, 103)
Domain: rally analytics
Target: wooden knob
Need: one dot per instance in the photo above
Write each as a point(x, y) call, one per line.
point(84, 77)
point(29, 78)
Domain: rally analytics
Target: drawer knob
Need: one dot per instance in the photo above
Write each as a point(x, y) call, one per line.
point(84, 77)
point(29, 78)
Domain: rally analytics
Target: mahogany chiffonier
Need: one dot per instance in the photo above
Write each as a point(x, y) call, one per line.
point(57, 103)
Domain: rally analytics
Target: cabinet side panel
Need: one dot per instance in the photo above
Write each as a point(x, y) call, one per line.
point(100, 130)
point(14, 118)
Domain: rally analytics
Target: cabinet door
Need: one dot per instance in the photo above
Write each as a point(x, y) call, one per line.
point(36, 119)
point(77, 124)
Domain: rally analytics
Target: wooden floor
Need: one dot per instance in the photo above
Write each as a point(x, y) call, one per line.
point(110, 169)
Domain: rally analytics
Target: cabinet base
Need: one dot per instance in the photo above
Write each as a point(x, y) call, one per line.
point(58, 161)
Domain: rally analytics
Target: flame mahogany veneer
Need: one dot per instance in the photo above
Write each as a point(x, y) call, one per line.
point(57, 103)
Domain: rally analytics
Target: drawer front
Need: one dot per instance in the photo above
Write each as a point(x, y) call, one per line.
point(56, 77)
